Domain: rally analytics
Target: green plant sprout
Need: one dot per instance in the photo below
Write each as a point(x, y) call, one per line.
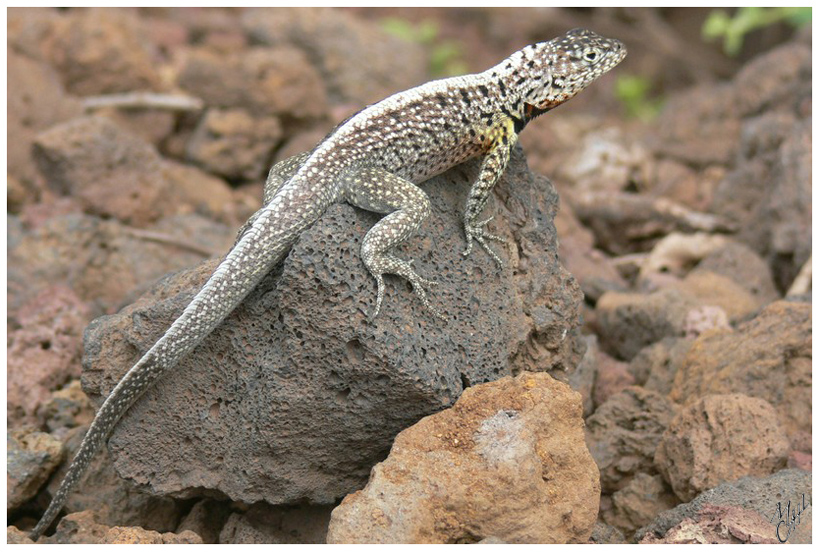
point(445, 55)
point(734, 28)
point(633, 92)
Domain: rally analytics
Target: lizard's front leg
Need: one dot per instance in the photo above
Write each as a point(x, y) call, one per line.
point(278, 175)
point(499, 139)
point(406, 207)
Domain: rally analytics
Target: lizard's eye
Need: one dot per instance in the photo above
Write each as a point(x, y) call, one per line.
point(590, 55)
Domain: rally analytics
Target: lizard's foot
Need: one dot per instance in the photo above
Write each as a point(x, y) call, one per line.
point(405, 270)
point(478, 232)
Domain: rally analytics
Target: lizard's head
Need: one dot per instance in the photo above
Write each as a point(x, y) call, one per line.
point(564, 66)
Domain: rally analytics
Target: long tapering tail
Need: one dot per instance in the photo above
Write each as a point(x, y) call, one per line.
point(265, 243)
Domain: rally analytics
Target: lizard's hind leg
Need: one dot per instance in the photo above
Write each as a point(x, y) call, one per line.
point(406, 207)
point(278, 176)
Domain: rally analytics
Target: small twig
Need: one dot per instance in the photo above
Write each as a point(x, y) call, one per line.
point(802, 283)
point(170, 240)
point(144, 100)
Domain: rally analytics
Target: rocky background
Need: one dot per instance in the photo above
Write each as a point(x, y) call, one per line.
point(647, 380)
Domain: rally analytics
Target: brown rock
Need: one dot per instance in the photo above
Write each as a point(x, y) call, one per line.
point(138, 535)
point(102, 51)
point(639, 502)
point(31, 457)
point(700, 126)
point(87, 527)
point(628, 322)
point(266, 524)
point(506, 461)
point(606, 534)
point(720, 438)
point(192, 190)
point(206, 519)
point(112, 172)
point(623, 433)
point(357, 59)
point(265, 81)
point(710, 289)
point(104, 261)
point(590, 266)
point(612, 377)
point(15, 536)
point(67, 408)
point(234, 144)
point(655, 366)
point(743, 266)
point(36, 101)
point(768, 357)
point(43, 350)
point(768, 79)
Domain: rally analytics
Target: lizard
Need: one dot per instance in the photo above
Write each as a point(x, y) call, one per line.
point(374, 160)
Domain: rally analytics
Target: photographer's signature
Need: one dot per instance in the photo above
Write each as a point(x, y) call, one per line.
point(789, 520)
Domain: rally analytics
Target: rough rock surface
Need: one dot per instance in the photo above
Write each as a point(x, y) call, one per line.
point(44, 349)
point(623, 433)
point(110, 171)
point(265, 524)
point(719, 525)
point(114, 500)
point(655, 366)
point(720, 438)
point(639, 502)
point(506, 461)
point(296, 396)
point(36, 101)
point(31, 456)
point(358, 61)
point(767, 357)
point(99, 51)
point(265, 81)
point(87, 527)
point(742, 265)
point(629, 322)
point(103, 261)
point(765, 497)
point(206, 519)
point(234, 144)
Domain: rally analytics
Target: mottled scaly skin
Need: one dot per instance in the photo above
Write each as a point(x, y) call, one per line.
point(373, 160)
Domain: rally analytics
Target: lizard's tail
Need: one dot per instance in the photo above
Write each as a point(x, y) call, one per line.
point(265, 243)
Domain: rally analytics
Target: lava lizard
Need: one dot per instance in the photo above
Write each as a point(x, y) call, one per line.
point(373, 160)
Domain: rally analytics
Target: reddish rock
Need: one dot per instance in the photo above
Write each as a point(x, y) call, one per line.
point(506, 461)
point(102, 51)
point(768, 357)
point(44, 350)
point(87, 527)
point(623, 433)
point(265, 81)
point(612, 377)
point(104, 261)
point(775, 499)
point(234, 144)
point(719, 525)
point(357, 60)
point(720, 438)
point(36, 101)
point(110, 171)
